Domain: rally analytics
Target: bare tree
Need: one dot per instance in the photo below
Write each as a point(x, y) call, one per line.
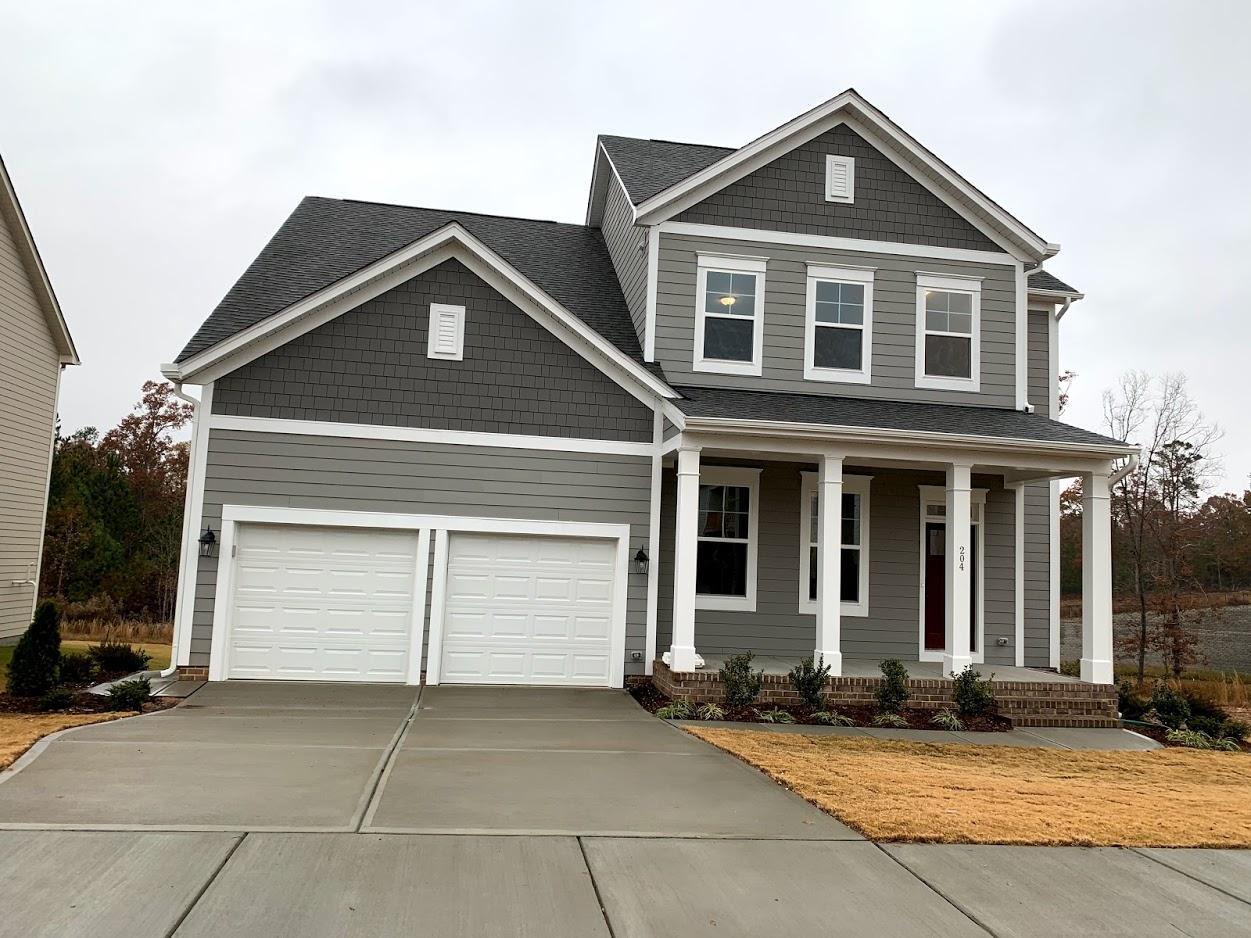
point(1157, 412)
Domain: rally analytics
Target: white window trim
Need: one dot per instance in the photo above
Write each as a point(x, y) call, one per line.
point(830, 195)
point(937, 495)
point(749, 479)
point(852, 485)
point(437, 310)
point(951, 284)
point(855, 275)
point(730, 263)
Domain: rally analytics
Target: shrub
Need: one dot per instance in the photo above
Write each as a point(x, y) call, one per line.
point(1132, 705)
point(833, 718)
point(119, 657)
point(130, 695)
point(1170, 707)
point(710, 711)
point(1071, 668)
point(808, 679)
point(37, 657)
point(776, 715)
point(886, 718)
point(1236, 729)
point(1218, 728)
point(77, 668)
point(59, 698)
point(947, 719)
point(892, 693)
point(741, 683)
point(678, 710)
point(1202, 706)
point(973, 694)
point(1193, 739)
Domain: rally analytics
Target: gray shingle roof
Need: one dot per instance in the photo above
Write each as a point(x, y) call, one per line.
point(888, 415)
point(647, 167)
point(1042, 280)
point(325, 240)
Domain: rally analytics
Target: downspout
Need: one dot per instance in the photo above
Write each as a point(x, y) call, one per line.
point(186, 520)
point(1123, 471)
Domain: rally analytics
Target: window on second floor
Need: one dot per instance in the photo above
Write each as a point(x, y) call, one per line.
point(729, 314)
point(838, 332)
point(948, 333)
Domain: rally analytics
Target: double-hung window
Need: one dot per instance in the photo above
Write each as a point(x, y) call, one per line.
point(725, 568)
point(854, 557)
point(729, 314)
point(948, 332)
point(838, 332)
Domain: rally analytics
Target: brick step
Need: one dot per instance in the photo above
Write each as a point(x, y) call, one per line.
point(1074, 722)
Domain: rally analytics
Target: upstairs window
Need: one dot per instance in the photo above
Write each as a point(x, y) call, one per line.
point(729, 314)
point(725, 568)
point(447, 332)
point(948, 333)
point(838, 337)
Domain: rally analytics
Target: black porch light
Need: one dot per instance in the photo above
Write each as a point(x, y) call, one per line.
point(207, 541)
point(640, 562)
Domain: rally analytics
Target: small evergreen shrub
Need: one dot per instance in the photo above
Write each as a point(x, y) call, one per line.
point(947, 719)
point(130, 695)
point(1131, 704)
point(37, 657)
point(59, 698)
point(710, 711)
point(894, 720)
point(77, 668)
point(973, 694)
point(1071, 668)
point(678, 710)
point(808, 678)
point(1218, 728)
point(119, 657)
point(776, 715)
point(741, 683)
point(832, 718)
point(892, 693)
point(1170, 707)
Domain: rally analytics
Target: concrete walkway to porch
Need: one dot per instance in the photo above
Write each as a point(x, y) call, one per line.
point(920, 670)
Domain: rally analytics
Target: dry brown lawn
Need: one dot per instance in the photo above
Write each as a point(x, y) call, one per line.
point(905, 791)
point(20, 731)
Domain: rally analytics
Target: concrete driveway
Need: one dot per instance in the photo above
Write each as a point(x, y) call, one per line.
point(305, 809)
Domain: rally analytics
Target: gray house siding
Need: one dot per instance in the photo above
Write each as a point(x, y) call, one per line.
point(298, 471)
point(894, 321)
point(627, 246)
point(29, 372)
point(789, 195)
point(370, 366)
point(1037, 574)
point(1040, 372)
point(892, 628)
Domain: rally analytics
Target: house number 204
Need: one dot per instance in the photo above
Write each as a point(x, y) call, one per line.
point(962, 558)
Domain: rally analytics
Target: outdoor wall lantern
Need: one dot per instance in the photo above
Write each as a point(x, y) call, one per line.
point(640, 562)
point(207, 542)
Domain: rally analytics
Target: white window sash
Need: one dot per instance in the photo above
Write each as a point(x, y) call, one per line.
point(862, 276)
point(950, 284)
point(852, 485)
point(730, 264)
point(742, 478)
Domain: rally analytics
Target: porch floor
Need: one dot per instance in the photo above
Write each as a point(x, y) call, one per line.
point(924, 670)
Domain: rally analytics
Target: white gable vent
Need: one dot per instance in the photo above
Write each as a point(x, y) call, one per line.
point(840, 179)
point(447, 332)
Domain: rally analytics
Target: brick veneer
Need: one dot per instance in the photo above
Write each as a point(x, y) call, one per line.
point(192, 673)
point(1025, 703)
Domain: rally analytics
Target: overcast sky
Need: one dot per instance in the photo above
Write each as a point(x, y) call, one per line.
point(157, 146)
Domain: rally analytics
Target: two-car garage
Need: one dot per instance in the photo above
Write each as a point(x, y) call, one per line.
point(501, 603)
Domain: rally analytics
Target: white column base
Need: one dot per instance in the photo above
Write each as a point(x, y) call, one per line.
point(1097, 671)
point(683, 658)
point(955, 664)
point(832, 658)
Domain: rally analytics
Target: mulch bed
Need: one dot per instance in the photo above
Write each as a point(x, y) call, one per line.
point(83, 703)
point(651, 699)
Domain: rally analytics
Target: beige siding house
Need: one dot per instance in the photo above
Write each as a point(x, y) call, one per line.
point(34, 345)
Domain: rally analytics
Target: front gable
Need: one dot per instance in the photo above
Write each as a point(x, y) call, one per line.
point(370, 365)
point(788, 194)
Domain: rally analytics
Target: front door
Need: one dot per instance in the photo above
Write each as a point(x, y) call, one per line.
point(936, 587)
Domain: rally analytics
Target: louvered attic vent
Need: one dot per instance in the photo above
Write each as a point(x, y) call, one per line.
point(447, 332)
point(840, 179)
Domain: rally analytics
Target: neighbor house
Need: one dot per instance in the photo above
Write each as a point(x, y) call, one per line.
point(34, 346)
point(796, 397)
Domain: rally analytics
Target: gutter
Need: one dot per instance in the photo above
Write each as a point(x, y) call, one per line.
point(186, 520)
point(1124, 470)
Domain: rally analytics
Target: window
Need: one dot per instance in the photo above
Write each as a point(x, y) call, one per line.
point(854, 576)
point(948, 332)
point(725, 568)
point(840, 179)
point(729, 315)
point(447, 332)
point(838, 335)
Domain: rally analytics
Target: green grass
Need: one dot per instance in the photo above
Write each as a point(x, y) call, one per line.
point(160, 653)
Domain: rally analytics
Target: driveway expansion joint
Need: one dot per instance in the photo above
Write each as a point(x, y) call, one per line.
point(959, 907)
point(1177, 869)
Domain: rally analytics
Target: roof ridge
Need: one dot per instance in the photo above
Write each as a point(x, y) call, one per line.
point(447, 211)
point(676, 143)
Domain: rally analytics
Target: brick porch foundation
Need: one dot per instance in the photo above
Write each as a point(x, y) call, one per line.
point(1025, 703)
point(192, 673)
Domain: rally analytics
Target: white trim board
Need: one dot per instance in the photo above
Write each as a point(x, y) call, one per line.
point(189, 565)
point(364, 431)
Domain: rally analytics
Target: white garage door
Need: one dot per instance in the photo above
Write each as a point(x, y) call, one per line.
point(528, 610)
point(321, 604)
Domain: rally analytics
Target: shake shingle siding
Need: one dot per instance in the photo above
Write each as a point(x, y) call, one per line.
point(789, 195)
point(370, 366)
point(627, 246)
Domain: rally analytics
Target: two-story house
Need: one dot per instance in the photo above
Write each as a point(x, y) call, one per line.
point(794, 397)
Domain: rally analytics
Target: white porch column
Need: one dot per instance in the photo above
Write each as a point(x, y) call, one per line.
point(1096, 579)
point(682, 651)
point(829, 562)
point(956, 654)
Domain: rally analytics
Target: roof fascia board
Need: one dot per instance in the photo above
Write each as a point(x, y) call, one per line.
point(450, 241)
point(12, 211)
point(1057, 294)
point(595, 197)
